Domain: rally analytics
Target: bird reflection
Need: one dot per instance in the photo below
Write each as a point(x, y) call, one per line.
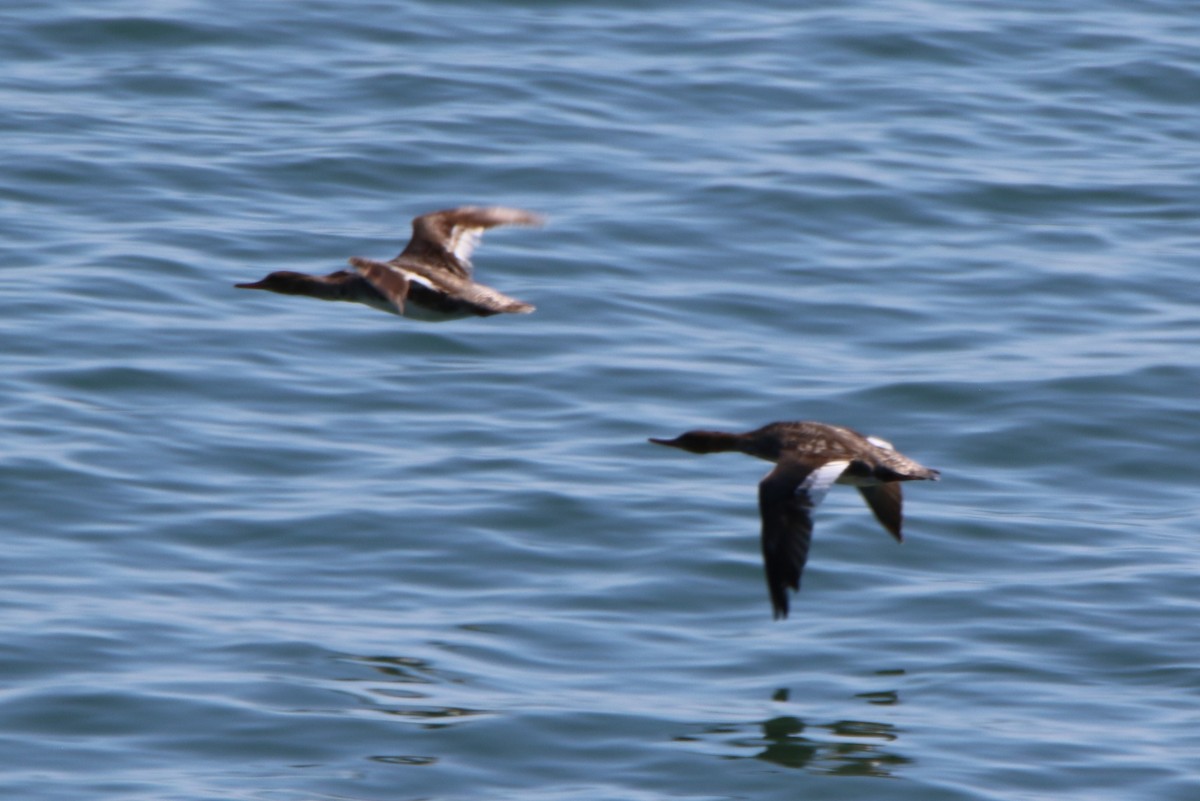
point(840, 748)
point(404, 687)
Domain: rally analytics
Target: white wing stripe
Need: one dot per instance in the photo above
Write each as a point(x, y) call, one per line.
point(463, 242)
point(817, 484)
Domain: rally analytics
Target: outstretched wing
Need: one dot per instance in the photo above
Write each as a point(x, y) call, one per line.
point(786, 498)
point(886, 502)
point(446, 239)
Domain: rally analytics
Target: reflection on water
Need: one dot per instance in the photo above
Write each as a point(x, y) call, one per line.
point(399, 668)
point(378, 690)
point(404, 760)
point(886, 698)
point(840, 748)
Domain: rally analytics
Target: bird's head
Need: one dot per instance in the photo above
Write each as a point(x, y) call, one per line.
point(284, 282)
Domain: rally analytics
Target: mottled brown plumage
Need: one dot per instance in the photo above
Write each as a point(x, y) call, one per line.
point(431, 279)
point(810, 457)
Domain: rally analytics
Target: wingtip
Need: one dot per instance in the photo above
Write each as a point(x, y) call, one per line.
point(895, 530)
point(523, 216)
point(780, 605)
point(505, 215)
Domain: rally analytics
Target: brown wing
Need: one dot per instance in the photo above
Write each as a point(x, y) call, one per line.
point(786, 537)
point(387, 280)
point(886, 501)
point(786, 498)
point(446, 239)
point(493, 300)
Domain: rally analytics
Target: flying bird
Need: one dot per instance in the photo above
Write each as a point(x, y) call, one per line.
point(810, 458)
point(430, 280)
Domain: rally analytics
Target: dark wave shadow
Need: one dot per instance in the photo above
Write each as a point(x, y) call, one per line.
point(839, 748)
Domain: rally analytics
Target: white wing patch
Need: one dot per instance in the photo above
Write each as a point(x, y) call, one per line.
point(881, 443)
point(463, 241)
point(816, 486)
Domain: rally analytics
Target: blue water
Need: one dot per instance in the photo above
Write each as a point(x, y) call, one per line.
point(261, 547)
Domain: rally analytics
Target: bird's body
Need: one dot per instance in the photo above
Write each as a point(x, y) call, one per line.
point(430, 280)
point(810, 457)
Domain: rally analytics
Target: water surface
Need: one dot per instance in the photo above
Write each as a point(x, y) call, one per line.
point(260, 547)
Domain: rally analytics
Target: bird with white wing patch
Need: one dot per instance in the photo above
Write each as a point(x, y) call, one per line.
point(430, 280)
point(809, 459)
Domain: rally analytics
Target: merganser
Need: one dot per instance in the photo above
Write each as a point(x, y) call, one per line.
point(430, 280)
point(810, 458)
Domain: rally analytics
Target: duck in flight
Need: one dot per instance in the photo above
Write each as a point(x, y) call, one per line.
point(810, 458)
point(430, 280)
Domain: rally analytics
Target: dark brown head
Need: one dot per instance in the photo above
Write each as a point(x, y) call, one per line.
point(284, 282)
point(701, 442)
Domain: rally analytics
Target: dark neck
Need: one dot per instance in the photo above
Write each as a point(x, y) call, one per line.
point(711, 442)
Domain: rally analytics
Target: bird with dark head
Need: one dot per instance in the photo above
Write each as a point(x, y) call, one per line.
point(286, 282)
point(809, 459)
point(430, 280)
